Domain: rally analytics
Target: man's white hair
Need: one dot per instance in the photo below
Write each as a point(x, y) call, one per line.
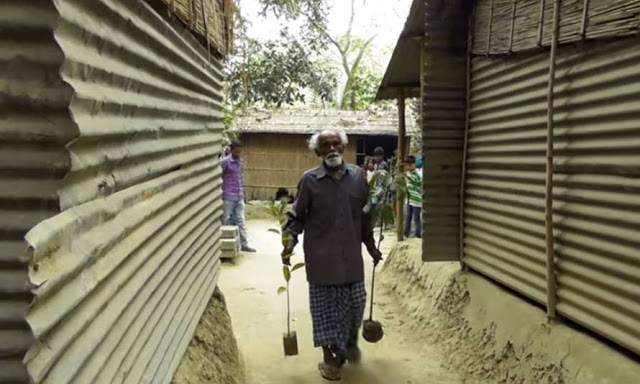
point(314, 140)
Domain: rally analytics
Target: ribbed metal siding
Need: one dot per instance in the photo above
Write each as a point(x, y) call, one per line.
point(597, 188)
point(34, 126)
point(443, 96)
point(504, 192)
point(125, 271)
point(596, 181)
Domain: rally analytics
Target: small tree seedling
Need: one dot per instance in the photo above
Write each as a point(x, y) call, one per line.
point(278, 210)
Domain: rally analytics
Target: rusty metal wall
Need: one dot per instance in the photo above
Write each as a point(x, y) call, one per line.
point(111, 147)
point(443, 96)
point(596, 181)
point(34, 127)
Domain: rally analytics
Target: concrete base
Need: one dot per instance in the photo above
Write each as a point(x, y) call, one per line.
point(229, 232)
point(230, 243)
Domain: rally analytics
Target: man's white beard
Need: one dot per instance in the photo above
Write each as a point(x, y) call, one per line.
point(333, 161)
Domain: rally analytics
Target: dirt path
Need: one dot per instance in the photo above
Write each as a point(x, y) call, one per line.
point(259, 319)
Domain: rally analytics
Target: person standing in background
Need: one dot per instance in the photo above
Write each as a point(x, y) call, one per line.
point(380, 163)
point(414, 197)
point(233, 193)
point(370, 168)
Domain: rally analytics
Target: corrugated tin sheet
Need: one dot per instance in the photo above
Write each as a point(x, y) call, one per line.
point(597, 188)
point(443, 119)
point(34, 126)
point(111, 115)
point(596, 181)
point(504, 191)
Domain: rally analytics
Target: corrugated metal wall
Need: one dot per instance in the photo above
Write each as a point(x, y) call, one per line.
point(443, 94)
point(596, 181)
point(597, 188)
point(34, 127)
point(504, 191)
point(123, 274)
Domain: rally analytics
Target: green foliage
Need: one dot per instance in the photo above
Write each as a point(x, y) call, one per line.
point(278, 72)
point(400, 181)
point(353, 56)
point(381, 189)
point(279, 210)
point(315, 10)
point(363, 90)
point(362, 83)
point(286, 272)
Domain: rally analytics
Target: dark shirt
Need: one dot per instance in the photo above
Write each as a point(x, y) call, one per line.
point(330, 213)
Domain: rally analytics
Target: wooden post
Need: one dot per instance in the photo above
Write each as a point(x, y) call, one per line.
point(401, 153)
point(206, 28)
point(489, 30)
point(548, 208)
point(541, 24)
point(513, 25)
point(583, 26)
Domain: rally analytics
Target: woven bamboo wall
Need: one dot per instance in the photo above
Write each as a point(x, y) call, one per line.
point(215, 27)
point(274, 161)
point(495, 33)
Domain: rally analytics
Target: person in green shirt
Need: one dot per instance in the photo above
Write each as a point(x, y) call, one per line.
point(414, 197)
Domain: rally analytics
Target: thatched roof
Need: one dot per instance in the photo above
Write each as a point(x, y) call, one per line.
point(307, 121)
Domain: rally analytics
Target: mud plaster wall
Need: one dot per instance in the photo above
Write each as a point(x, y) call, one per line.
point(212, 356)
point(492, 334)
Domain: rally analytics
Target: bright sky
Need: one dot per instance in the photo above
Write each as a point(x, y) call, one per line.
point(382, 18)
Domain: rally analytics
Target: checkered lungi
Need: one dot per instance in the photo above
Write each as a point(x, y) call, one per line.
point(336, 313)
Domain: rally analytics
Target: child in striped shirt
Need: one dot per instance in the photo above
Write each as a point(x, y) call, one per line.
point(414, 197)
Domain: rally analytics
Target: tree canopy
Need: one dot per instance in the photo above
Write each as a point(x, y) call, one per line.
point(278, 72)
point(305, 67)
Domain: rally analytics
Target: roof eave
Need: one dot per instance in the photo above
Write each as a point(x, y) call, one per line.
point(403, 70)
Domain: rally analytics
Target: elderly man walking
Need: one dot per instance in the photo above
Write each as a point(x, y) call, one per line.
point(329, 210)
point(233, 193)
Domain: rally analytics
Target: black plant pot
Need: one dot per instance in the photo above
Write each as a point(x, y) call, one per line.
point(290, 342)
point(372, 331)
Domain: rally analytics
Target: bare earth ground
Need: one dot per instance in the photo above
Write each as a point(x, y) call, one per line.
point(259, 319)
point(212, 355)
point(437, 318)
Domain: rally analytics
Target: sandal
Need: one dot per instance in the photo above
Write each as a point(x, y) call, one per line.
point(329, 372)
